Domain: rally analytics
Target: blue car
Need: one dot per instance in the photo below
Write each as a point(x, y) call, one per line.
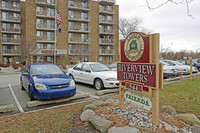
point(44, 81)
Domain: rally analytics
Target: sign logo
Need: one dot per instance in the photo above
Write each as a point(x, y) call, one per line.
point(134, 46)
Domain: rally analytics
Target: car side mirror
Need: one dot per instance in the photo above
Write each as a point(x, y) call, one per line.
point(25, 74)
point(88, 71)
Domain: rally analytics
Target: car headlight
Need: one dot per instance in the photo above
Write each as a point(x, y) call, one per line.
point(111, 79)
point(40, 86)
point(72, 83)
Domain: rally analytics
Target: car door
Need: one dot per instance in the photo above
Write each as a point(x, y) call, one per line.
point(76, 72)
point(25, 77)
point(86, 74)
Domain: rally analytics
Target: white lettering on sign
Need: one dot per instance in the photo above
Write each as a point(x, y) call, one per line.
point(138, 100)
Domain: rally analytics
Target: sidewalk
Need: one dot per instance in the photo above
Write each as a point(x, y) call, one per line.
point(8, 70)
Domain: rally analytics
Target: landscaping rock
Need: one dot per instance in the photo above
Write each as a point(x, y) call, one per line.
point(195, 128)
point(99, 103)
point(112, 101)
point(169, 127)
point(100, 124)
point(168, 109)
point(87, 114)
point(188, 118)
point(123, 130)
point(90, 106)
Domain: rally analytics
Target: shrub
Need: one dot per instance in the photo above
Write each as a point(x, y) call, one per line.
point(23, 62)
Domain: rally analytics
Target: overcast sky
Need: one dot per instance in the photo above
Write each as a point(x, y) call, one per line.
point(177, 30)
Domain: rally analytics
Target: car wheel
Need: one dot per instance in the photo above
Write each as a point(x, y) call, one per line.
point(98, 84)
point(30, 94)
point(71, 76)
point(21, 84)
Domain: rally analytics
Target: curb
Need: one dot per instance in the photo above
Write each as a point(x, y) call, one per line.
point(7, 108)
point(100, 93)
point(36, 103)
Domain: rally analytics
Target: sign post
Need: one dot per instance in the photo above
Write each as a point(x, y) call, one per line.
point(190, 61)
point(140, 72)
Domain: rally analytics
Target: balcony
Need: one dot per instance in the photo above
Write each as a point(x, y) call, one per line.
point(78, 17)
point(11, 19)
point(79, 29)
point(101, 21)
point(78, 6)
point(106, 52)
point(105, 41)
point(106, 32)
point(11, 41)
point(10, 8)
point(43, 14)
point(106, 11)
point(10, 52)
point(79, 40)
point(45, 27)
point(10, 30)
point(45, 2)
point(77, 51)
point(108, 1)
point(47, 39)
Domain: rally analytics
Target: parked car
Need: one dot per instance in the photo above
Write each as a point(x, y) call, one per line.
point(94, 73)
point(168, 71)
point(181, 69)
point(194, 64)
point(196, 60)
point(113, 66)
point(45, 81)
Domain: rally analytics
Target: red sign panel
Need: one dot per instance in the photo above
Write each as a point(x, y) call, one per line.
point(135, 49)
point(49, 51)
point(140, 73)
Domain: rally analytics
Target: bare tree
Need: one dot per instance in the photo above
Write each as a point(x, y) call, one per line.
point(185, 2)
point(128, 25)
point(26, 49)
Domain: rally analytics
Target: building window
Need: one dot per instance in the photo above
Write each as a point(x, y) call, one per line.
point(50, 24)
point(110, 8)
point(50, 46)
point(110, 29)
point(50, 59)
point(40, 22)
point(102, 28)
point(84, 26)
point(6, 37)
point(102, 49)
point(51, 1)
point(16, 37)
point(51, 36)
point(110, 58)
point(16, 27)
point(84, 15)
point(5, 4)
point(71, 36)
point(51, 12)
point(40, 46)
point(16, 48)
point(6, 26)
point(84, 4)
point(40, 34)
point(102, 58)
point(40, 10)
point(40, 59)
point(5, 15)
point(16, 5)
point(71, 14)
point(102, 7)
point(84, 37)
point(17, 59)
point(102, 18)
point(109, 18)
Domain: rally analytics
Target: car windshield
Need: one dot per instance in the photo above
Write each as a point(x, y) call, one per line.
point(99, 67)
point(38, 70)
point(177, 63)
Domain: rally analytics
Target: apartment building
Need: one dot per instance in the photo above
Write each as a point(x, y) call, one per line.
point(89, 31)
point(10, 32)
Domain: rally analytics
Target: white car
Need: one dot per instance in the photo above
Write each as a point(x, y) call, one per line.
point(181, 69)
point(94, 73)
point(168, 71)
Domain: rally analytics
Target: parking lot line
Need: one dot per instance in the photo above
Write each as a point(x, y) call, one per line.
point(90, 94)
point(16, 100)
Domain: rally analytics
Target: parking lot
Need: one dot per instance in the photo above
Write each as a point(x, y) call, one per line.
point(11, 94)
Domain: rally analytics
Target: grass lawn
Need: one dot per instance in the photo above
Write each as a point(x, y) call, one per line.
point(183, 95)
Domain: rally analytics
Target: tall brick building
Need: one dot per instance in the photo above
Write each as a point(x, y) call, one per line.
point(89, 31)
